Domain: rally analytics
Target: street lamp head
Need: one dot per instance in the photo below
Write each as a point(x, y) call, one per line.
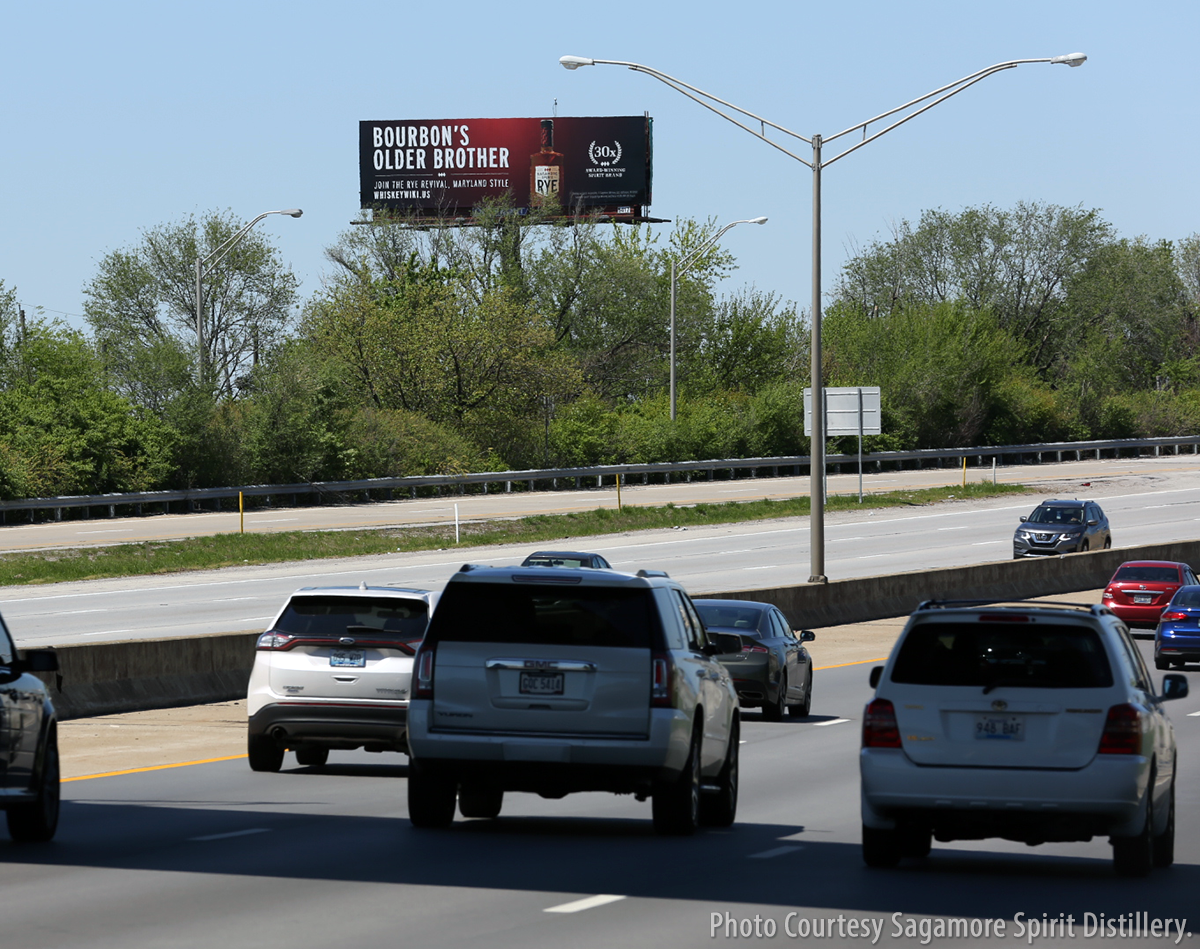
point(1071, 59)
point(292, 212)
point(757, 220)
point(574, 62)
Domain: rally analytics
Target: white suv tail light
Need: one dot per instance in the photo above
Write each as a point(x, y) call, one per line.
point(660, 681)
point(1122, 731)
point(273, 639)
point(880, 729)
point(423, 678)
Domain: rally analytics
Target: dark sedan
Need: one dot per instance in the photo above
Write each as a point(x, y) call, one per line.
point(566, 558)
point(1177, 637)
point(772, 669)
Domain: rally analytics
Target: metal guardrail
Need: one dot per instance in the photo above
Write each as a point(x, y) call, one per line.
point(340, 492)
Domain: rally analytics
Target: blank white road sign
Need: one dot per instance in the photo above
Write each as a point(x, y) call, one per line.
point(845, 408)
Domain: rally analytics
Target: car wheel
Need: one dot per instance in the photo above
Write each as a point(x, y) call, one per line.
point(774, 711)
point(1107, 542)
point(1134, 856)
point(1161, 664)
point(478, 801)
point(804, 708)
point(676, 806)
point(431, 796)
point(265, 754)
point(880, 848)
point(312, 756)
point(915, 841)
point(1164, 843)
point(38, 820)
point(1084, 547)
point(720, 809)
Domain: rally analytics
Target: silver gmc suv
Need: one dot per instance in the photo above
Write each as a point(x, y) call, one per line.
point(564, 680)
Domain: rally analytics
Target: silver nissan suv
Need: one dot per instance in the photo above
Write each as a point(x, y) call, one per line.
point(557, 681)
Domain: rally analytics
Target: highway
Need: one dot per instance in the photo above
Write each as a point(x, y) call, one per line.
point(1147, 501)
point(215, 855)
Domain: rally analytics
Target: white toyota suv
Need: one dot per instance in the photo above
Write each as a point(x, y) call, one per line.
point(565, 680)
point(333, 670)
point(1031, 721)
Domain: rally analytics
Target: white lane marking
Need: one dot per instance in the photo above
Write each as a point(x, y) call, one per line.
point(988, 543)
point(769, 566)
point(109, 632)
point(272, 520)
point(832, 721)
point(586, 903)
point(233, 833)
point(113, 530)
point(842, 540)
point(1193, 714)
point(963, 528)
point(777, 852)
point(76, 612)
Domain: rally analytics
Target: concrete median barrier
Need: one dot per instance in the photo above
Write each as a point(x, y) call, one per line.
point(104, 678)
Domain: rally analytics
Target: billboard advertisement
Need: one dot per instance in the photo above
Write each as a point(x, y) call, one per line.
point(435, 167)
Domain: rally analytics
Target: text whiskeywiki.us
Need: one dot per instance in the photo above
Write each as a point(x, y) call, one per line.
point(925, 930)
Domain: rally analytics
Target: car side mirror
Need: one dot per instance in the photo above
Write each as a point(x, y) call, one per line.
point(807, 635)
point(1093, 522)
point(37, 660)
point(1024, 518)
point(1174, 687)
point(876, 675)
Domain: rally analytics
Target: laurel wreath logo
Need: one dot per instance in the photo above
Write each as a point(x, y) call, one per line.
point(604, 163)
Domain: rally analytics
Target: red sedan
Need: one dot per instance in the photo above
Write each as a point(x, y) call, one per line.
point(1140, 589)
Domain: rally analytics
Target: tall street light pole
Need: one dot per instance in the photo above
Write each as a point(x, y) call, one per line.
point(917, 106)
point(675, 274)
point(201, 272)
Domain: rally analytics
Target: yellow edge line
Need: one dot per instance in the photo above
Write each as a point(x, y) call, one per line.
point(840, 665)
point(157, 767)
point(185, 764)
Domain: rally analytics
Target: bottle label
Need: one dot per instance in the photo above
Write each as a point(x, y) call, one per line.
point(546, 180)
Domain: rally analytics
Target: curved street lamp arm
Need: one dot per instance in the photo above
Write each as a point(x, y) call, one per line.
point(699, 95)
point(687, 261)
point(219, 254)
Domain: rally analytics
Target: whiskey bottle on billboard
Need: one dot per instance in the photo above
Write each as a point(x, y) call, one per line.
point(545, 174)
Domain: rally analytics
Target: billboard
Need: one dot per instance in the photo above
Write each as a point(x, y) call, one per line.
point(449, 166)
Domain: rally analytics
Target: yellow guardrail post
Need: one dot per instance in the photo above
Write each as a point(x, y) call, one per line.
point(241, 514)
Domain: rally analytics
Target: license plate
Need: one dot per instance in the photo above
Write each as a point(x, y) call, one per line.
point(348, 658)
point(1142, 598)
point(541, 683)
point(1000, 727)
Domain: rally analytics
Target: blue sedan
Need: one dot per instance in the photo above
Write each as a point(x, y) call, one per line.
point(1177, 637)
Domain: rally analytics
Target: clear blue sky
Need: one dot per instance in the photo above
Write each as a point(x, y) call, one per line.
point(120, 116)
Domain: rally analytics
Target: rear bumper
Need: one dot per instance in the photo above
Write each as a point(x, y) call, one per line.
point(375, 727)
point(1137, 615)
point(1104, 797)
point(555, 764)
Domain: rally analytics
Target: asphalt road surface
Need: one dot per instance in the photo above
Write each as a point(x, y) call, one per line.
point(215, 855)
point(1147, 501)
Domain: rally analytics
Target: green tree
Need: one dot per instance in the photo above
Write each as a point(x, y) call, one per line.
point(141, 306)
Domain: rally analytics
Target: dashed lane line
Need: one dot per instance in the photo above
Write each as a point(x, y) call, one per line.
point(589, 902)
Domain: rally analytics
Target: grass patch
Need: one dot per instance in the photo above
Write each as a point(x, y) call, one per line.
point(235, 550)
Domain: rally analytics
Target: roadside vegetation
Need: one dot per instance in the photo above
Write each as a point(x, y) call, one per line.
point(237, 550)
point(524, 343)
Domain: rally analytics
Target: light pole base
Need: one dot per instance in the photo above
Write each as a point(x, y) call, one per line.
point(818, 578)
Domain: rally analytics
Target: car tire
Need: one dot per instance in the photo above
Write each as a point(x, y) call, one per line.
point(1084, 547)
point(1164, 843)
point(312, 756)
point(676, 806)
point(804, 708)
point(1161, 664)
point(38, 820)
point(265, 753)
point(480, 801)
point(431, 796)
point(880, 848)
point(774, 711)
point(1134, 856)
point(916, 841)
point(720, 809)
point(1107, 543)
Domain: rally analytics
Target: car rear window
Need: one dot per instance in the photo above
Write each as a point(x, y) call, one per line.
point(1144, 574)
point(1041, 655)
point(332, 616)
point(535, 614)
point(744, 620)
point(1187, 596)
